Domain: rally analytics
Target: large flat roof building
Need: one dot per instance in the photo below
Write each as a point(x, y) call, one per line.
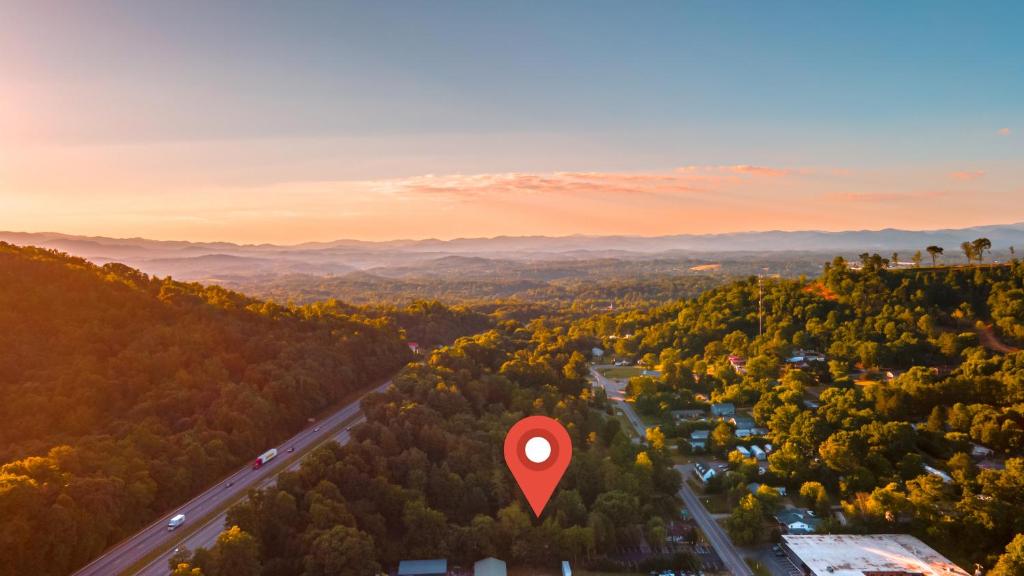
point(867, 555)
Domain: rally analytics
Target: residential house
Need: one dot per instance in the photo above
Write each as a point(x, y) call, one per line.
point(939, 473)
point(979, 451)
point(738, 364)
point(743, 451)
point(703, 473)
point(723, 410)
point(797, 520)
point(689, 414)
point(699, 439)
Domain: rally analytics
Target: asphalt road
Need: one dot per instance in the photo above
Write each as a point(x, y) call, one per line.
point(615, 391)
point(717, 537)
point(157, 538)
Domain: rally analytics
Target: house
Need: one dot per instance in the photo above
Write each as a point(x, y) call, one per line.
point(741, 421)
point(743, 451)
point(566, 569)
point(723, 410)
point(651, 373)
point(801, 356)
point(979, 451)
point(437, 567)
point(490, 567)
point(703, 473)
point(797, 520)
point(699, 439)
point(596, 353)
point(738, 364)
point(415, 347)
point(688, 414)
point(758, 453)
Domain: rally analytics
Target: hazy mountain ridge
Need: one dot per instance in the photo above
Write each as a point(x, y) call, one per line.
point(512, 255)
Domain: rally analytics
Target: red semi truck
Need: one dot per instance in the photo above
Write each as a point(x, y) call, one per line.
point(264, 458)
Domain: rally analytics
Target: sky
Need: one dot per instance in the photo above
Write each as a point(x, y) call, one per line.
point(297, 121)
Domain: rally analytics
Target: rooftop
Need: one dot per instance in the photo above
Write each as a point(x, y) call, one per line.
point(422, 567)
point(854, 555)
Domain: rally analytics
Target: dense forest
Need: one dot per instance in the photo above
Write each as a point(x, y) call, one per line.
point(918, 370)
point(122, 395)
point(425, 476)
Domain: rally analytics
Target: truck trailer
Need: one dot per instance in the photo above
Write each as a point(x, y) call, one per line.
point(264, 458)
point(175, 521)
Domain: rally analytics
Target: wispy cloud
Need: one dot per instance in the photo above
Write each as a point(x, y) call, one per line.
point(870, 197)
point(683, 181)
point(1003, 132)
point(965, 175)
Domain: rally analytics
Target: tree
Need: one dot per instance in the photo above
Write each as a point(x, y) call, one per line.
point(934, 251)
point(722, 438)
point(655, 438)
point(980, 246)
point(916, 259)
point(816, 497)
point(746, 523)
point(968, 250)
point(236, 553)
point(342, 550)
point(1011, 563)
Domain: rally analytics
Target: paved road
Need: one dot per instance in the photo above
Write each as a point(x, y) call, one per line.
point(615, 391)
point(717, 537)
point(156, 537)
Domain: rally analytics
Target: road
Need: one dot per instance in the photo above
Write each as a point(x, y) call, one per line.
point(157, 538)
point(717, 537)
point(615, 391)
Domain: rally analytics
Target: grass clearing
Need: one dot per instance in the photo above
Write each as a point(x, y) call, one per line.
point(621, 372)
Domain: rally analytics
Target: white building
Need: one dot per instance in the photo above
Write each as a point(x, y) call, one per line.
point(867, 555)
point(490, 567)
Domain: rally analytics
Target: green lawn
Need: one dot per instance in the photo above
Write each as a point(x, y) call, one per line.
point(621, 372)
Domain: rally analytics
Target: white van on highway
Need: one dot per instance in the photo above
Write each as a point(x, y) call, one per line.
point(176, 521)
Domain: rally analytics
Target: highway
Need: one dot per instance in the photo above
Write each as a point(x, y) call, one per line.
point(157, 538)
point(717, 537)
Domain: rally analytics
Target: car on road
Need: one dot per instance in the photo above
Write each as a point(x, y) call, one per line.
point(777, 550)
point(317, 429)
point(291, 449)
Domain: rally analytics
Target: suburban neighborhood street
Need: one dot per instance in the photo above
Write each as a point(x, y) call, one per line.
point(156, 538)
point(719, 540)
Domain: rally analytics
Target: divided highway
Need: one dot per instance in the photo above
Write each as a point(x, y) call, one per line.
point(717, 537)
point(157, 538)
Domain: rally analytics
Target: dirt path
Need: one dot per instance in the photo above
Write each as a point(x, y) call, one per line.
point(989, 340)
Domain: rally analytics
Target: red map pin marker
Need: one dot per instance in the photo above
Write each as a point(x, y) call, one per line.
point(537, 451)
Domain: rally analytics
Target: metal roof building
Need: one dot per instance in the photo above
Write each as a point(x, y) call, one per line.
point(490, 567)
point(423, 568)
point(868, 555)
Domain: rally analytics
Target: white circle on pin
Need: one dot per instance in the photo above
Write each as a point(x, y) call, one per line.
point(537, 450)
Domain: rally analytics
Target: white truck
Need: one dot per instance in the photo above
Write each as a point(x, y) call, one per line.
point(175, 521)
point(264, 458)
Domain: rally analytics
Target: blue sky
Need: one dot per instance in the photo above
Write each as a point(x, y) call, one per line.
point(270, 93)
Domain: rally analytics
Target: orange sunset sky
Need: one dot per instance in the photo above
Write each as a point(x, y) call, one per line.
point(403, 121)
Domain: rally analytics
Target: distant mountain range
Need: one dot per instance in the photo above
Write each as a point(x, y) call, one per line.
point(223, 261)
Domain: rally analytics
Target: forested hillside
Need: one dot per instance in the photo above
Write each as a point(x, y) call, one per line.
point(425, 476)
point(861, 380)
point(121, 395)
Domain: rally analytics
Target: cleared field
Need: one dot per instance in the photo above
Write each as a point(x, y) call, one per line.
point(621, 372)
